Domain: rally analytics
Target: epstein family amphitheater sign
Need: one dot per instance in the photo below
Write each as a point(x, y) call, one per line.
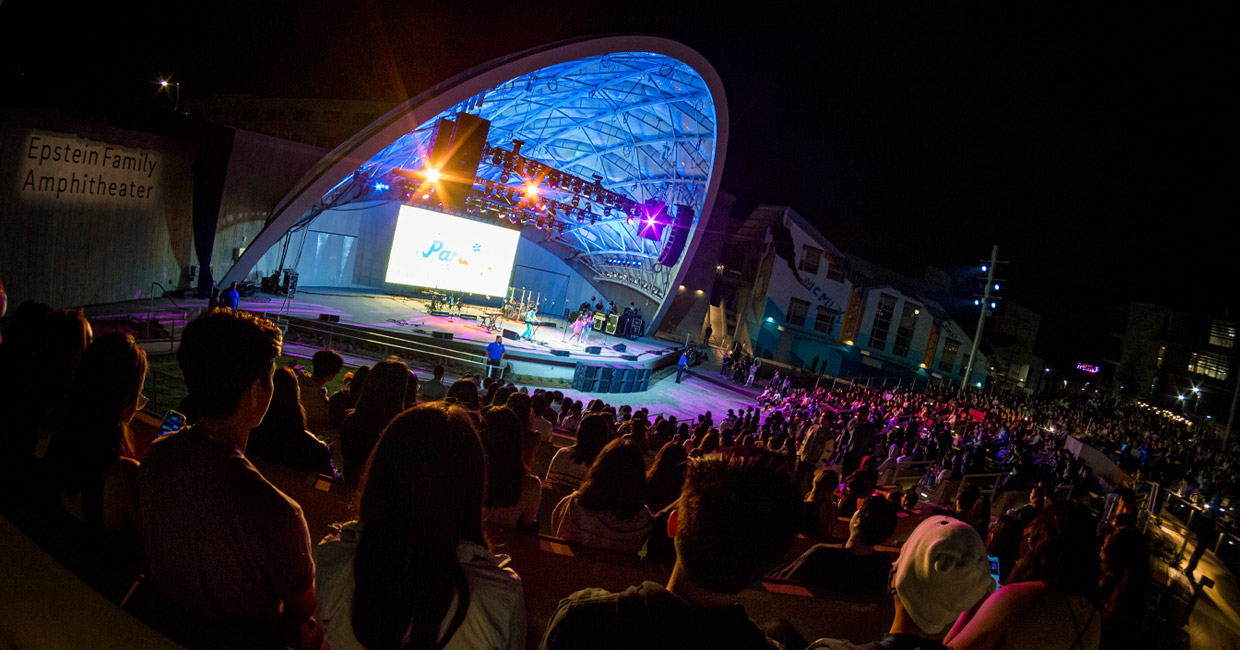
point(58, 166)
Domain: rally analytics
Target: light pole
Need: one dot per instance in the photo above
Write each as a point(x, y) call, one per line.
point(981, 317)
point(174, 87)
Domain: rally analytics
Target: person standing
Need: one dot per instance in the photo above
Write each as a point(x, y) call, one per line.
point(495, 354)
point(530, 317)
point(682, 366)
point(707, 334)
point(753, 371)
point(858, 439)
point(1207, 533)
point(231, 298)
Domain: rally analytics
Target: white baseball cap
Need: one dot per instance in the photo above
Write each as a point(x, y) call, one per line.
point(942, 571)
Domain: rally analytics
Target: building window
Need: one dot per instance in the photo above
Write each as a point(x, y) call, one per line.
point(1222, 335)
point(1162, 352)
point(797, 310)
point(904, 333)
point(836, 268)
point(810, 257)
point(824, 320)
point(882, 321)
point(1211, 365)
point(950, 349)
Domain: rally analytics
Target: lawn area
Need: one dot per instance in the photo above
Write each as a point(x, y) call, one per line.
point(166, 386)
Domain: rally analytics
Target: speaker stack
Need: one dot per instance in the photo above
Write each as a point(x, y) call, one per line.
point(680, 235)
point(604, 378)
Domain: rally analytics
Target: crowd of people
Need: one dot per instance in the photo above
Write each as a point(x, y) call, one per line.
point(439, 471)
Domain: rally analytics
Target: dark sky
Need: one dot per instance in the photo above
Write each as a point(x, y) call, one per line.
point(1090, 144)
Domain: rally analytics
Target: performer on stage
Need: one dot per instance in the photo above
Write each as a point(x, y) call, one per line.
point(581, 321)
point(530, 318)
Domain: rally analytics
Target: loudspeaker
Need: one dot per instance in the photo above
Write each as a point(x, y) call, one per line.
point(560, 353)
point(619, 347)
point(680, 235)
point(593, 349)
point(511, 334)
point(439, 312)
point(629, 357)
point(329, 318)
point(456, 152)
point(447, 336)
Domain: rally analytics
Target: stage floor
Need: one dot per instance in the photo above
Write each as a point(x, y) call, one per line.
point(696, 393)
point(411, 315)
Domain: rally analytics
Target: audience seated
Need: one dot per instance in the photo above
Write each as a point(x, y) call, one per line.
point(736, 518)
point(220, 541)
point(820, 508)
point(464, 393)
point(607, 511)
point(327, 364)
point(345, 399)
point(1124, 570)
point(942, 572)
point(91, 456)
point(1050, 600)
point(665, 477)
point(569, 465)
point(433, 389)
point(380, 401)
point(538, 405)
point(414, 570)
point(282, 437)
point(513, 494)
point(855, 566)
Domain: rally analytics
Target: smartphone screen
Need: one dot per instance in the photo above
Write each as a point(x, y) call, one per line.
point(172, 421)
point(994, 568)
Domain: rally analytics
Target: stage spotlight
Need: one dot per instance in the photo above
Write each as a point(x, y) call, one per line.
point(629, 221)
point(576, 201)
point(531, 189)
point(431, 174)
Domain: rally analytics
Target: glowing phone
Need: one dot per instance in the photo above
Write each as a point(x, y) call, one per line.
point(172, 421)
point(994, 568)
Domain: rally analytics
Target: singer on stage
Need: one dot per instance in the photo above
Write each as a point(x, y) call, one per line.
point(530, 317)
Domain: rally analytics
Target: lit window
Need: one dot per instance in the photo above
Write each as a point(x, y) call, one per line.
point(904, 333)
point(824, 320)
point(950, 348)
point(1222, 335)
point(1215, 366)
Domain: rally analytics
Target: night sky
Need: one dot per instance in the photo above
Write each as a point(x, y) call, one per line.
point(1091, 147)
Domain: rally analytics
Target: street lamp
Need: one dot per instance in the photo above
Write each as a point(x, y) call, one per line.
point(164, 84)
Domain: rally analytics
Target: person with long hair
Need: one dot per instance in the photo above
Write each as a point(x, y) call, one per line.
point(821, 508)
point(381, 399)
point(513, 494)
point(1124, 572)
point(1050, 600)
point(570, 464)
point(282, 438)
point(91, 451)
point(414, 571)
point(608, 511)
point(665, 477)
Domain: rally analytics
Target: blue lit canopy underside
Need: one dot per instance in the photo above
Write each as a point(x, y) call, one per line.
point(644, 122)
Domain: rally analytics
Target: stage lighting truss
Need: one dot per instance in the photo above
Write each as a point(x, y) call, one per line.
point(598, 137)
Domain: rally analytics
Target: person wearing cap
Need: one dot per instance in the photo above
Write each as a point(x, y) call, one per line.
point(942, 572)
point(856, 566)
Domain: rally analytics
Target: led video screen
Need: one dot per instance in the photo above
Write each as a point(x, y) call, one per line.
point(431, 249)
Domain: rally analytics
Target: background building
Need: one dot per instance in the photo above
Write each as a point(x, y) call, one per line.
point(324, 123)
point(783, 292)
point(1178, 360)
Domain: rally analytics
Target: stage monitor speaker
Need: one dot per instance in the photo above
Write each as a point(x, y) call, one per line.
point(447, 336)
point(680, 236)
point(439, 312)
point(511, 334)
point(619, 347)
point(629, 357)
point(593, 349)
point(329, 318)
point(560, 353)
